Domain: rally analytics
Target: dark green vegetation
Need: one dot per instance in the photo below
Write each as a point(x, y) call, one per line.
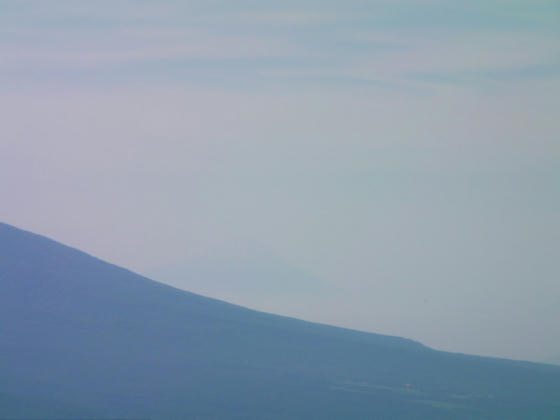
point(83, 338)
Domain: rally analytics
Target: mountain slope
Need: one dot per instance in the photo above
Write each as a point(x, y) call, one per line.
point(81, 337)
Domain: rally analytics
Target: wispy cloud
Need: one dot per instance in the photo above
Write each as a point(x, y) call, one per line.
point(378, 43)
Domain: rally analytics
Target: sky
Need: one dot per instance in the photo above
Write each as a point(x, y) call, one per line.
point(387, 166)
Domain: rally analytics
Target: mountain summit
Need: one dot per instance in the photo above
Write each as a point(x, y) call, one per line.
point(83, 338)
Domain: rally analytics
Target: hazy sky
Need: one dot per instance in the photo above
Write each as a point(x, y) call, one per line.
point(390, 166)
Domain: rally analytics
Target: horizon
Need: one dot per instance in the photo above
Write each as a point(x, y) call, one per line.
point(388, 167)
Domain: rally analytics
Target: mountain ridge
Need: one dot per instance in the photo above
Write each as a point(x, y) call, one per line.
point(48, 242)
point(99, 340)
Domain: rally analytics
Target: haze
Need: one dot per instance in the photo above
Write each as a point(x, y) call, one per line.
point(389, 166)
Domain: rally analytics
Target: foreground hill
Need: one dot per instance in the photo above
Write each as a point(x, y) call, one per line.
point(83, 338)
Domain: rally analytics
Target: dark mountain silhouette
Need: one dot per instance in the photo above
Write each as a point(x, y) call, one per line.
point(81, 338)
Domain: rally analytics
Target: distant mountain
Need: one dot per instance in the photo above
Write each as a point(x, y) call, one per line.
point(261, 274)
point(258, 280)
point(81, 338)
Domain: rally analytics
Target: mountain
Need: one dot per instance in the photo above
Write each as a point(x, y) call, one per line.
point(81, 338)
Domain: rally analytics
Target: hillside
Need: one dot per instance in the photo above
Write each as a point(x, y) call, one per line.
point(84, 338)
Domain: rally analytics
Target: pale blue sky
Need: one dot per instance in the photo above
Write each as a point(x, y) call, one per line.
point(397, 160)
